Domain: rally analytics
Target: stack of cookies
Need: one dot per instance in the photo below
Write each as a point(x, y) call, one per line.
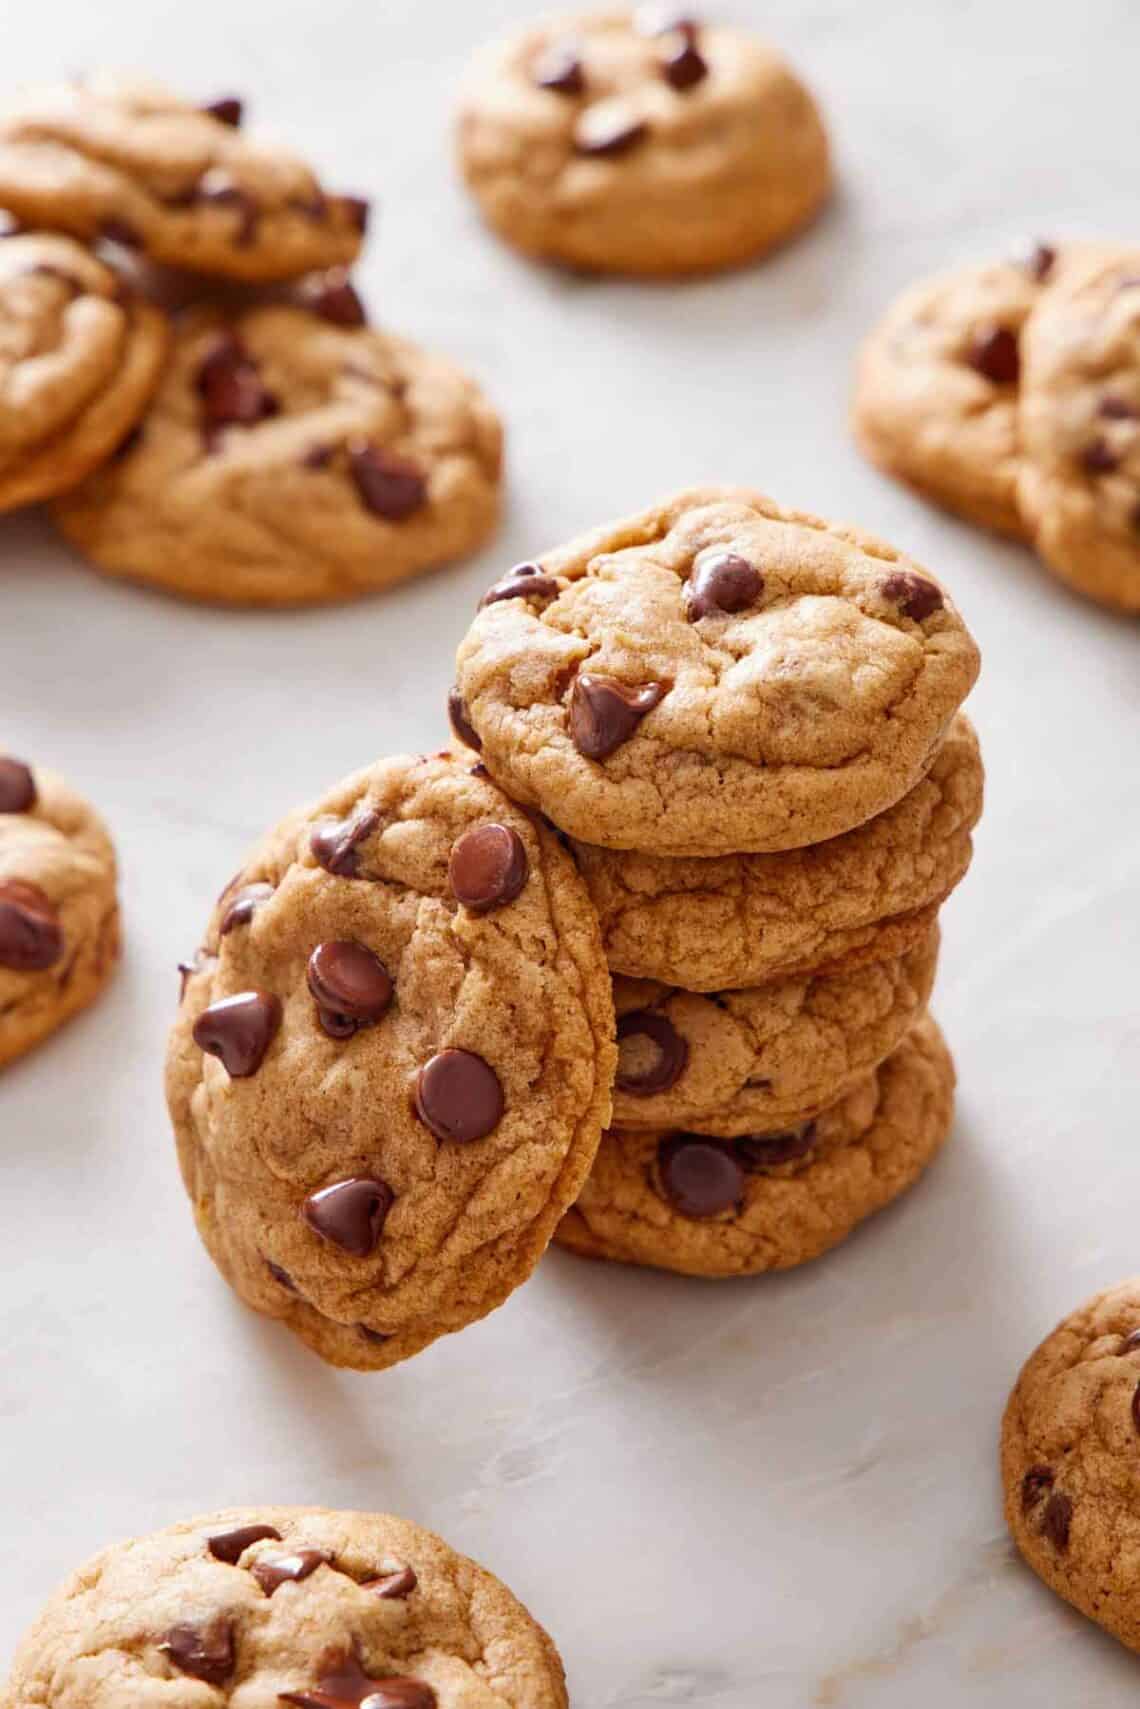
point(745, 722)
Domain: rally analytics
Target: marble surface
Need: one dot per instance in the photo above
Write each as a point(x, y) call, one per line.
point(780, 1492)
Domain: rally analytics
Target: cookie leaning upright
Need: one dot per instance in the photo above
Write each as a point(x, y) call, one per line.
point(393, 1060)
point(641, 142)
point(714, 675)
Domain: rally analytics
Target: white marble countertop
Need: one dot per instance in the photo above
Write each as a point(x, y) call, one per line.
point(772, 1493)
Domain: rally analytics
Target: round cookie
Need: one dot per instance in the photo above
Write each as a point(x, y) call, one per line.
point(80, 355)
point(290, 1605)
point(59, 917)
point(129, 162)
point(737, 920)
point(1070, 1461)
point(936, 392)
point(393, 1060)
point(713, 675)
point(713, 1207)
point(742, 1062)
point(616, 143)
point(294, 456)
point(1079, 485)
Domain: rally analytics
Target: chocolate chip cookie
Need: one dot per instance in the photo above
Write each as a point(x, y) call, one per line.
point(767, 1201)
point(80, 354)
point(293, 1605)
point(641, 143)
point(393, 1060)
point(59, 917)
point(293, 455)
point(1070, 1456)
point(716, 674)
point(737, 920)
point(741, 1061)
point(129, 162)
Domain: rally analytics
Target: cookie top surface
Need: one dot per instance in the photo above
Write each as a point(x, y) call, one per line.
point(737, 920)
point(275, 1605)
point(715, 1207)
point(713, 675)
point(613, 141)
point(291, 457)
point(128, 161)
point(1080, 428)
point(79, 357)
point(1070, 1460)
point(413, 1024)
point(741, 1061)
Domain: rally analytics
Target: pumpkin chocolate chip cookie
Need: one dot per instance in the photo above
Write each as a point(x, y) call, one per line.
point(393, 1060)
point(286, 1605)
point(714, 675)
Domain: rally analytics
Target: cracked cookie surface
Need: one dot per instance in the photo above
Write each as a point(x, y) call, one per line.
point(290, 458)
point(736, 920)
point(393, 1060)
point(1070, 1461)
point(275, 1605)
point(714, 1207)
point(80, 355)
point(128, 161)
point(59, 917)
point(713, 675)
point(611, 142)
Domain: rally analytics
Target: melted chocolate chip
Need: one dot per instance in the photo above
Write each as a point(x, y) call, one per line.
point(458, 1096)
point(459, 721)
point(699, 1177)
point(350, 1214)
point(1040, 261)
point(994, 353)
point(230, 1546)
point(389, 485)
point(243, 905)
point(17, 786)
point(525, 581)
point(670, 1059)
point(605, 131)
point(604, 714)
point(333, 297)
point(394, 1586)
point(230, 386)
point(685, 68)
point(1099, 458)
point(336, 846)
point(1035, 1486)
point(1130, 1343)
point(721, 581)
point(217, 187)
point(227, 110)
point(239, 1030)
point(272, 1571)
point(915, 596)
point(342, 1683)
point(768, 1150)
point(120, 231)
point(559, 69)
point(488, 868)
point(350, 985)
point(31, 937)
point(1056, 1520)
point(1112, 408)
point(204, 1652)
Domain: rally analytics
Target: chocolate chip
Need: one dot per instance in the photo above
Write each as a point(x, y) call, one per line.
point(217, 187)
point(187, 969)
point(230, 386)
point(333, 297)
point(668, 1063)
point(915, 596)
point(1112, 408)
point(488, 868)
point(401, 1693)
point(357, 210)
point(1040, 261)
point(995, 354)
point(17, 786)
point(1130, 1343)
point(120, 231)
point(228, 111)
point(317, 457)
point(336, 846)
point(281, 1277)
point(605, 130)
point(239, 1030)
point(721, 581)
point(350, 1214)
point(394, 1586)
point(31, 938)
point(272, 1571)
point(700, 1177)
point(459, 721)
point(1099, 458)
point(525, 581)
point(767, 1150)
point(243, 906)
point(604, 714)
point(458, 1096)
point(1056, 1519)
point(685, 68)
point(1136, 1408)
point(350, 985)
point(342, 1683)
point(230, 1546)
point(559, 69)
point(376, 1336)
point(661, 20)
point(204, 1652)
point(1035, 1485)
point(389, 485)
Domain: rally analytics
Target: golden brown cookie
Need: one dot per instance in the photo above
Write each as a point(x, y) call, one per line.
point(80, 354)
point(737, 920)
point(715, 1207)
point(641, 142)
point(294, 455)
point(393, 1060)
point(128, 161)
point(713, 675)
point(1070, 1459)
point(59, 917)
point(285, 1605)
